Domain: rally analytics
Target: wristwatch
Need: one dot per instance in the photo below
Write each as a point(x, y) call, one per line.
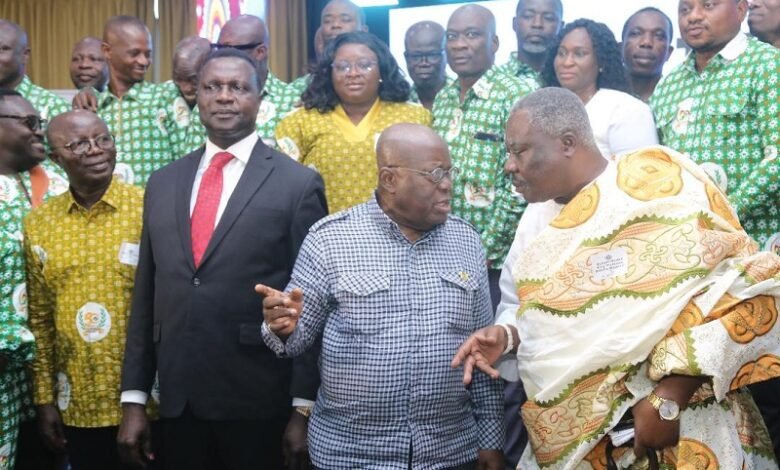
point(668, 410)
point(304, 410)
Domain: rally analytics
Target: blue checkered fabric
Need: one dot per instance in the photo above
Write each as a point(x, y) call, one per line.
point(392, 314)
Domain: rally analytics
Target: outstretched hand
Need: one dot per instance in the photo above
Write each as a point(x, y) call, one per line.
point(281, 311)
point(482, 349)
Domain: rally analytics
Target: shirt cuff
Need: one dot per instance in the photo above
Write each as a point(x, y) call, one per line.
point(272, 341)
point(491, 434)
point(134, 396)
point(302, 402)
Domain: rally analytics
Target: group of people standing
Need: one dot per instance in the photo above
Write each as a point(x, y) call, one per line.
point(175, 294)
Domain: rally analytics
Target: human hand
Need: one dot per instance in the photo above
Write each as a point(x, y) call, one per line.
point(50, 427)
point(294, 444)
point(85, 99)
point(650, 431)
point(490, 459)
point(482, 349)
point(281, 311)
point(134, 438)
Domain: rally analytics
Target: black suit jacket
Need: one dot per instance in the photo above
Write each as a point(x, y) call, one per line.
point(200, 328)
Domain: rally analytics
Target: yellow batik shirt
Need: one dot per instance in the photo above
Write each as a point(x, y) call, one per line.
point(340, 151)
point(80, 269)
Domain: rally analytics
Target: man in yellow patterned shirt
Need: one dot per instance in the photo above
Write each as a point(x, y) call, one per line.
point(81, 250)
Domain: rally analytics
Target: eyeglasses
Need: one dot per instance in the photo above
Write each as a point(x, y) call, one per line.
point(418, 57)
point(241, 47)
point(33, 122)
point(343, 67)
point(436, 175)
point(80, 147)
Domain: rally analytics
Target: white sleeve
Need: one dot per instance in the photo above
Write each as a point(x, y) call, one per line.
point(536, 218)
point(134, 396)
point(632, 126)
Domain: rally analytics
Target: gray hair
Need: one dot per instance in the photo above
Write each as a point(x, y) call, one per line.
point(556, 111)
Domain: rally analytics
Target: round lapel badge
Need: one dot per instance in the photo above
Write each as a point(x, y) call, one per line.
point(93, 322)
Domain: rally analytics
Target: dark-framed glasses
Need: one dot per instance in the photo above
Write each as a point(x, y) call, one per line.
point(80, 147)
point(33, 122)
point(241, 47)
point(362, 66)
point(433, 57)
point(436, 175)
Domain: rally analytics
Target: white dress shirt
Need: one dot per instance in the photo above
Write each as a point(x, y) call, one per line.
point(231, 172)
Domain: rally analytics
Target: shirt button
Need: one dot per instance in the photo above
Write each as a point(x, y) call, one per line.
point(196, 281)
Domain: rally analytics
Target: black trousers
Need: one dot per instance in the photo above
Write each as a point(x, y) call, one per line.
point(191, 443)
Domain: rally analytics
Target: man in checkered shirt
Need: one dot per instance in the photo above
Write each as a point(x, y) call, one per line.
point(394, 286)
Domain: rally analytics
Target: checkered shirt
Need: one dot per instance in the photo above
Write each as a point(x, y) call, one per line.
point(392, 314)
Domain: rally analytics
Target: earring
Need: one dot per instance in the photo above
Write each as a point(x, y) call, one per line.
point(380, 80)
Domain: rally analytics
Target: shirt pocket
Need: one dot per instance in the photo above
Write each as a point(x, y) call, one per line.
point(733, 105)
point(363, 298)
point(458, 301)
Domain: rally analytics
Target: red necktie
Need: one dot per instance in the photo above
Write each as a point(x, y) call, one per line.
point(205, 212)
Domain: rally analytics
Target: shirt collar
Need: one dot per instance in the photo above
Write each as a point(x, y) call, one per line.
point(389, 226)
point(24, 86)
point(273, 86)
point(240, 150)
point(138, 92)
point(730, 52)
point(111, 198)
point(481, 89)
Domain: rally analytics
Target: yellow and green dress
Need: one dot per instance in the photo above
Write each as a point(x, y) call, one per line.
point(342, 152)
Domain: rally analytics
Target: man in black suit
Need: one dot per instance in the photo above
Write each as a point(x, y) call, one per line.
point(228, 216)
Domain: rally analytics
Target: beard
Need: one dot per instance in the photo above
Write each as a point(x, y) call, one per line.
point(535, 49)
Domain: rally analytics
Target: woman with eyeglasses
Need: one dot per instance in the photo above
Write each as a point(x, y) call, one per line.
point(586, 59)
point(356, 91)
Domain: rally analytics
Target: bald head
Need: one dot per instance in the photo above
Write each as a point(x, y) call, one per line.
point(341, 16)
point(88, 66)
point(478, 14)
point(188, 57)
point(403, 144)
point(425, 32)
point(12, 65)
point(117, 26)
point(249, 34)
point(127, 47)
point(89, 167)
point(471, 42)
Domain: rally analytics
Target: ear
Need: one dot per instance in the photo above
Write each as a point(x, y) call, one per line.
point(387, 180)
point(25, 56)
point(742, 8)
point(515, 26)
point(669, 52)
point(106, 48)
point(261, 52)
point(569, 143)
point(495, 43)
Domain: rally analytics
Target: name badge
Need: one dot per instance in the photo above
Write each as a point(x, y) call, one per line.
point(610, 264)
point(128, 253)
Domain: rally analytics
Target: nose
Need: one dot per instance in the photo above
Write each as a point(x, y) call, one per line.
point(93, 149)
point(509, 165)
point(143, 60)
point(224, 96)
point(646, 40)
point(353, 71)
point(537, 22)
point(695, 14)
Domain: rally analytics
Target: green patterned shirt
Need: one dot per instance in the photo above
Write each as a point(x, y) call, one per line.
point(727, 119)
point(144, 126)
point(483, 193)
point(415, 98)
point(16, 340)
point(279, 99)
point(45, 102)
point(520, 69)
point(299, 84)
